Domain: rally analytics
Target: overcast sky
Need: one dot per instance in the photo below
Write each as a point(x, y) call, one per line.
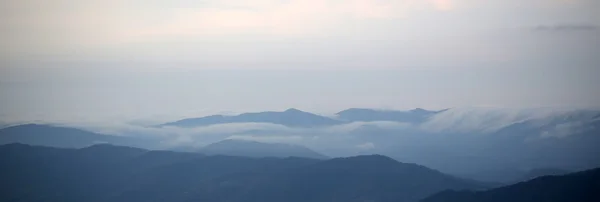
point(119, 59)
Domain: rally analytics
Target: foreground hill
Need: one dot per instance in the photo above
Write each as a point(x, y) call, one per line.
point(259, 149)
point(581, 186)
point(290, 117)
point(360, 178)
point(112, 173)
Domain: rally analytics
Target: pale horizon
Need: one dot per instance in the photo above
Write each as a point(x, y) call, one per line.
point(128, 60)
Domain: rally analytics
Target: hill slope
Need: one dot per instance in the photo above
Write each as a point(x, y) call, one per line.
point(111, 173)
point(360, 178)
point(580, 186)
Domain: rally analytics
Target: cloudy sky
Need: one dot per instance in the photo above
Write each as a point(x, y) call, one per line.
point(144, 59)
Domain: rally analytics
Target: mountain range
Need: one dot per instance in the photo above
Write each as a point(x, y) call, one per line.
point(498, 145)
point(296, 118)
point(116, 173)
point(64, 137)
point(291, 117)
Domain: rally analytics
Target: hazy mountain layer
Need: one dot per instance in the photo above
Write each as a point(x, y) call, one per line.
point(258, 149)
point(488, 144)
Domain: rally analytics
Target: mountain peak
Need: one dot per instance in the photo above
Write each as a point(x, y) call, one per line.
point(418, 110)
point(292, 110)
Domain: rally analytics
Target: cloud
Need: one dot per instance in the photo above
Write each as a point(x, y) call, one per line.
point(268, 138)
point(567, 129)
point(366, 146)
point(485, 119)
point(349, 127)
point(170, 137)
point(567, 28)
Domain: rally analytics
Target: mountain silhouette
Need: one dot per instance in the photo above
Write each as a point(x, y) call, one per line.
point(581, 186)
point(291, 117)
point(116, 173)
point(539, 172)
point(359, 178)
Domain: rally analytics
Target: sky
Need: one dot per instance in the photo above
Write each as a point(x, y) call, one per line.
point(65, 60)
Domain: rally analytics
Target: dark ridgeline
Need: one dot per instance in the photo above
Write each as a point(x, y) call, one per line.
point(539, 172)
point(115, 173)
point(581, 186)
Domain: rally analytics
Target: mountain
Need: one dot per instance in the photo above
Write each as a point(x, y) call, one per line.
point(417, 115)
point(115, 173)
point(291, 117)
point(539, 172)
point(258, 149)
point(498, 145)
point(581, 186)
point(54, 136)
point(359, 178)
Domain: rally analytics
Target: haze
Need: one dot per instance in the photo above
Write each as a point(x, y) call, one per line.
point(300, 100)
point(141, 60)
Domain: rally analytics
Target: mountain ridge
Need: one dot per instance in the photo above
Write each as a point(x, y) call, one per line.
point(117, 174)
point(291, 117)
point(579, 186)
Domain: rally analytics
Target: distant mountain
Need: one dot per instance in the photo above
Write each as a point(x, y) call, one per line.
point(497, 144)
point(54, 136)
point(581, 186)
point(259, 149)
point(417, 115)
point(535, 173)
point(123, 174)
point(291, 117)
